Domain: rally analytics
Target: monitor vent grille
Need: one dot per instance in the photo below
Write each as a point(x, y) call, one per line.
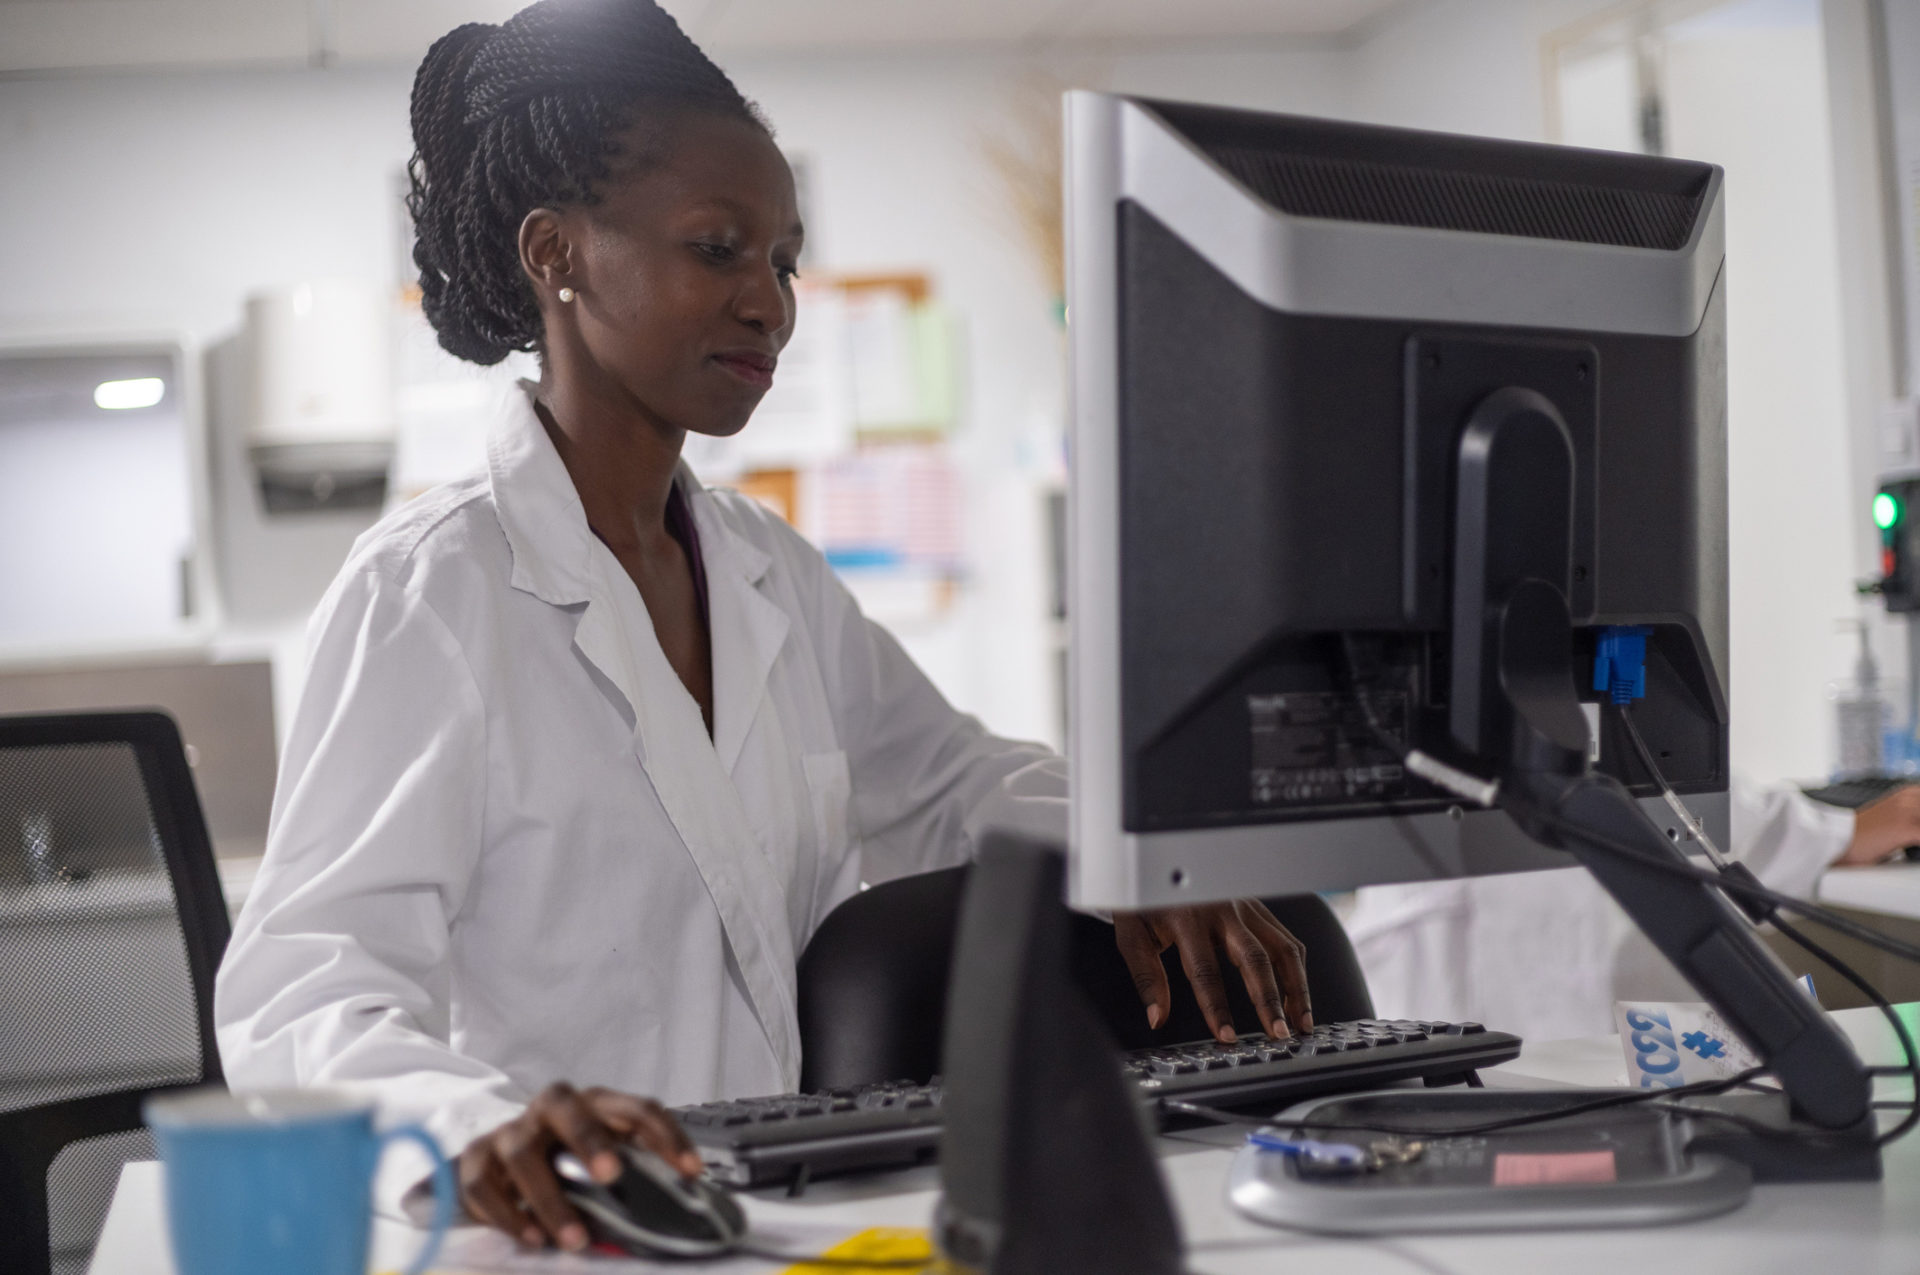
point(1401, 195)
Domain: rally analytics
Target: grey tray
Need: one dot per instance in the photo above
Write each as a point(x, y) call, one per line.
point(1452, 1187)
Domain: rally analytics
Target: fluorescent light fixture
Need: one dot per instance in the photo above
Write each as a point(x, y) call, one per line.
point(142, 391)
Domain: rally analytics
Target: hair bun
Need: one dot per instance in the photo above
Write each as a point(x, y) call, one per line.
point(526, 115)
point(438, 108)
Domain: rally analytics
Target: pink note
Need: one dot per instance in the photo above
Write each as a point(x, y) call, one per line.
point(1553, 1168)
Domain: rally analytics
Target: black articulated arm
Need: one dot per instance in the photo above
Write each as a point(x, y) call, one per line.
point(1515, 707)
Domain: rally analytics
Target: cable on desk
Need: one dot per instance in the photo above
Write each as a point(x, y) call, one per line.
point(1873, 994)
point(1767, 911)
point(1623, 1098)
point(1732, 878)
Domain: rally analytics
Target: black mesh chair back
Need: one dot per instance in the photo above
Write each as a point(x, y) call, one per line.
point(112, 924)
point(873, 981)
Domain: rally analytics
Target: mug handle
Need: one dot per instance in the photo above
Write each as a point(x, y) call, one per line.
point(442, 1192)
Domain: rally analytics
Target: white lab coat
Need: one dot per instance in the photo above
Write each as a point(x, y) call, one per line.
point(1545, 954)
point(504, 849)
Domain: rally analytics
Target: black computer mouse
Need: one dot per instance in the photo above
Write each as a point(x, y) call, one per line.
point(650, 1210)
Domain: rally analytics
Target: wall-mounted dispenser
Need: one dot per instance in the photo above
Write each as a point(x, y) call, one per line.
point(321, 429)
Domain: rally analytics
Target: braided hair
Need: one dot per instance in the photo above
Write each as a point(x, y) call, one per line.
point(529, 114)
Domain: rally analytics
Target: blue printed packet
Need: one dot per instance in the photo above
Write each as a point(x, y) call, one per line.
point(1672, 1043)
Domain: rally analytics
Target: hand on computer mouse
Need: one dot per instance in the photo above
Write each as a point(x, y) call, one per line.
point(1270, 960)
point(506, 1176)
point(1883, 828)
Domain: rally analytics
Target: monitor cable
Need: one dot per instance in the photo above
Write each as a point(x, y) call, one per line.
point(1766, 912)
point(1740, 890)
point(1732, 877)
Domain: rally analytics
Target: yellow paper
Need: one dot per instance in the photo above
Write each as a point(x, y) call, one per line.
point(878, 1243)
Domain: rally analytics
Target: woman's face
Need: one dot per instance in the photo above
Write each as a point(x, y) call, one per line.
point(683, 275)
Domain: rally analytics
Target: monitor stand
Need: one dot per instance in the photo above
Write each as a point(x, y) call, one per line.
point(1514, 707)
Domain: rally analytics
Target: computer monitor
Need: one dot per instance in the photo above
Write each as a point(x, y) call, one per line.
point(1393, 453)
point(1279, 327)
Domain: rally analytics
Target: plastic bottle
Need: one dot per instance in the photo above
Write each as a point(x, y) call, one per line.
point(1863, 714)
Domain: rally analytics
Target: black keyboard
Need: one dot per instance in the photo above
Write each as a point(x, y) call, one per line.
point(1860, 790)
point(793, 1137)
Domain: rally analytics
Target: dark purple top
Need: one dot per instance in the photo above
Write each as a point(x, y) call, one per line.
point(680, 527)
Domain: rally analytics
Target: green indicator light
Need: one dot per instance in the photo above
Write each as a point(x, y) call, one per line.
point(1886, 511)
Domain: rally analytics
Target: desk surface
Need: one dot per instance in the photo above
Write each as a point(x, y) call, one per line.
point(1892, 888)
point(1858, 1229)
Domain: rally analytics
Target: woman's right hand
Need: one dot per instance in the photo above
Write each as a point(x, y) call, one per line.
point(507, 1179)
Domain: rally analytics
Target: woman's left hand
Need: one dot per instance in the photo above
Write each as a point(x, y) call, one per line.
point(1271, 961)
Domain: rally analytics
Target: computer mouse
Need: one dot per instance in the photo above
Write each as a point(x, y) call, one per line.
point(650, 1210)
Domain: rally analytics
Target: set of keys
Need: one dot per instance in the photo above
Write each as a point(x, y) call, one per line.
point(1336, 1159)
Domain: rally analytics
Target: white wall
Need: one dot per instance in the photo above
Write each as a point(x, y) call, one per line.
point(159, 201)
point(1753, 99)
point(162, 200)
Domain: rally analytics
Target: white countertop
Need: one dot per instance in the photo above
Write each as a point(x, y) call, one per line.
point(1857, 1228)
point(1892, 888)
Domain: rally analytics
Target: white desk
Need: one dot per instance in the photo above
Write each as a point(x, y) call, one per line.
point(1863, 1229)
point(1889, 888)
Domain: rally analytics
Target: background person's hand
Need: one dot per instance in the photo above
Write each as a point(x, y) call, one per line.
point(1883, 828)
point(506, 1176)
point(1271, 962)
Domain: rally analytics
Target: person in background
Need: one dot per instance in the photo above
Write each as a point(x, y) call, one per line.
point(587, 751)
point(1545, 954)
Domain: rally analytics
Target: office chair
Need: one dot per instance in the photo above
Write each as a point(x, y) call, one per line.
point(873, 981)
point(112, 924)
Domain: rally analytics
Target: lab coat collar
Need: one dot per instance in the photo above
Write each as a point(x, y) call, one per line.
point(541, 513)
point(554, 552)
point(546, 525)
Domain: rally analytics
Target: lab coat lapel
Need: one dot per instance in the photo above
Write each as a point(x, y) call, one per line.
point(699, 797)
point(602, 641)
point(747, 630)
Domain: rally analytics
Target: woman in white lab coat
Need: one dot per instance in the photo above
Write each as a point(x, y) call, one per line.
point(586, 751)
point(1545, 954)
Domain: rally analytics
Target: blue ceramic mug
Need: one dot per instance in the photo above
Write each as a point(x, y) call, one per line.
point(279, 1181)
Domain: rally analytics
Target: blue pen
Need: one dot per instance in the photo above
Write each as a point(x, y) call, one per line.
point(1321, 1155)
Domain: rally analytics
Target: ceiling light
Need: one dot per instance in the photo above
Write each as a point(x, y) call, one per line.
point(142, 391)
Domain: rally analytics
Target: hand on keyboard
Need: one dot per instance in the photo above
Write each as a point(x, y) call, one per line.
point(1883, 828)
point(1271, 961)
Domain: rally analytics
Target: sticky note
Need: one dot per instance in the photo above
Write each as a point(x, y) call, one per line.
point(878, 1243)
point(1553, 1168)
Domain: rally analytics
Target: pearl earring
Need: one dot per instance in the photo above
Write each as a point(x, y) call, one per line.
point(566, 294)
